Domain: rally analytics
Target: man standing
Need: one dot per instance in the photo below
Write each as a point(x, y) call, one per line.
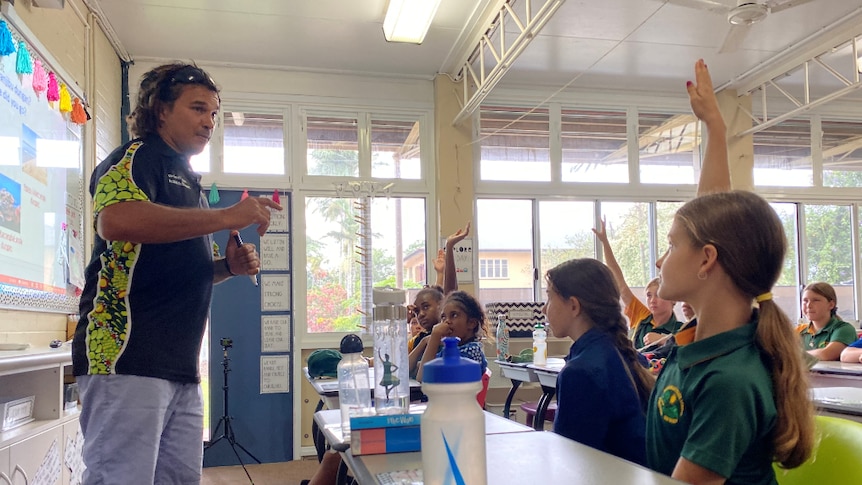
point(149, 285)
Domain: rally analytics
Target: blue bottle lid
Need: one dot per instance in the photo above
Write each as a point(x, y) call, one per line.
point(451, 367)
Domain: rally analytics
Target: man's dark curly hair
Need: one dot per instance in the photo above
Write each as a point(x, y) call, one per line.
point(161, 87)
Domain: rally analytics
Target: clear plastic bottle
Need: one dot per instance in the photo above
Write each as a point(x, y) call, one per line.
point(453, 425)
point(391, 364)
point(354, 386)
point(540, 345)
point(502, 338)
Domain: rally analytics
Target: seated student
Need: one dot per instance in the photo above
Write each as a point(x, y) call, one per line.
point(603, 389)
point(826, 335)
point(853, 353)
point(683, 336)
point(462, 317)
point(650, 322)
point(427, 302)
point(735, 400)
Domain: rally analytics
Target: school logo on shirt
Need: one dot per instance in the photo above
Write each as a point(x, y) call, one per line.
point(670, 404)
point(178, 180)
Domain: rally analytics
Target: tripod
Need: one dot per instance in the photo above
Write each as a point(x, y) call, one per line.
point(226, 418)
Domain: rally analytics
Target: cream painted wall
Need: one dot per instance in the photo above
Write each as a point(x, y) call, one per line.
point(71, 41)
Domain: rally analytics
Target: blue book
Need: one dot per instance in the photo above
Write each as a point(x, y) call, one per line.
point(384, 421)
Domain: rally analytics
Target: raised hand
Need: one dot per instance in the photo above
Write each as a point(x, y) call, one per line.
point(440, 261)
point(701, 94)
point(459, 235)
point(602, 232)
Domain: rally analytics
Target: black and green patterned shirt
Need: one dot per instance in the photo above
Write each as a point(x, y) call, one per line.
point(144, 306)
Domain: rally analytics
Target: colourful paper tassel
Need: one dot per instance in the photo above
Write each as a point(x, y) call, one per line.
point(78, 116)
point(65, 99)
point(7, 44)
point(53, 89)
point(275, 197)
point(23, 63)
point(244, 195)
point(214, 197)
point(40, 78)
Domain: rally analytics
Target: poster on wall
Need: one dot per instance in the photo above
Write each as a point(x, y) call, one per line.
point(275, 333)
point(275, 293)
point(274, 375)
point(463, 252)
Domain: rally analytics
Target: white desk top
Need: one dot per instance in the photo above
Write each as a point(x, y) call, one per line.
point(536, 457)
point(842, 368)
point(329, 421)
point(843, 400)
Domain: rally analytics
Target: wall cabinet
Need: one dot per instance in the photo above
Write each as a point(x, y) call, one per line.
point(40, 444)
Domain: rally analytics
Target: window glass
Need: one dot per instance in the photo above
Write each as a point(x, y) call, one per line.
point(253, 143)
point(627, 224)
point(340, 278)
point(842, 154)
point(505, 229)
point(830, 253)
point(594, 146)
point(332, 147)
point(201, 162)
point(782, 155)
point(786, 289)
point(665, 212)
point(395, 149)
point(668, 147)
point(562, 242)
point(514, 144)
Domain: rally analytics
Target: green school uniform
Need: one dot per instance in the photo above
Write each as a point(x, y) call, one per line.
point(713, 405)
point(646, 326)
point(836, 330)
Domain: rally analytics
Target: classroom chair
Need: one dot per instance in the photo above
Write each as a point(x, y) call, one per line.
point(836, 457)
point(530, 408)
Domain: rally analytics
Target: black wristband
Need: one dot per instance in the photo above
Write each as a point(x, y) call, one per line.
point(227, 267)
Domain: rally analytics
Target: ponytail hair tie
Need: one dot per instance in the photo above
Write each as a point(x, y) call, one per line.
point(764, 297)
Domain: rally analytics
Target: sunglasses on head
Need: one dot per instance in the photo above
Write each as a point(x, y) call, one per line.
point(187, 75)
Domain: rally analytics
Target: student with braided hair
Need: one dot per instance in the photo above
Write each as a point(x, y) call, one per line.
point(603, 388)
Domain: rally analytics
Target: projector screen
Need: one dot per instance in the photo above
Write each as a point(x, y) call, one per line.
point(41, 200)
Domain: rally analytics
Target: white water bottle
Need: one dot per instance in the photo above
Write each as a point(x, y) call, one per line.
point(354, 387)
point(453, 425)
point(540, 345)
point(391, 364)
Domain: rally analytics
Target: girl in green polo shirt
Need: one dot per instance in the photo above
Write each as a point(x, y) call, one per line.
point(734, 400)
point(825, 335)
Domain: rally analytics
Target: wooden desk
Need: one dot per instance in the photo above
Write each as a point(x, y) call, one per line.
point(536, 457)
point(836, 374)
point(547, 375)
point(842, 402)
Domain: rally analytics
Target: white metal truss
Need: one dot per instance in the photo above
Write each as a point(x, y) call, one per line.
point(806, 103)
point(477, 85)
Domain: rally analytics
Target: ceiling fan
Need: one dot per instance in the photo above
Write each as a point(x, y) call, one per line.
point(741, 15)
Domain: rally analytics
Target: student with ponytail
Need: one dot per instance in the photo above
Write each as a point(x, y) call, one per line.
point(734, 400)
point(603, 389)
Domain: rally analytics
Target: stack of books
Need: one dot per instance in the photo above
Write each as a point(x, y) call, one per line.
point(393, 433)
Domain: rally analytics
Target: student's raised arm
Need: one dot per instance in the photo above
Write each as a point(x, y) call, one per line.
point(611, 262)
point(715, 172)
point(450, 281)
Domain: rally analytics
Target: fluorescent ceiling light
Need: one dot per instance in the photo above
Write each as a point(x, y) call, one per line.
point(408, 20)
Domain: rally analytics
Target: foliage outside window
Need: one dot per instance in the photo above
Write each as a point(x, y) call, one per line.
point(668, 147)
point(830, 252)
point(842, 153)
point(627, 224)
point(785, 293)
point(562, 242)
point(594, 146)
point(782, 155)
point(335, 243)
point(253, 143)
point(514, 144)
